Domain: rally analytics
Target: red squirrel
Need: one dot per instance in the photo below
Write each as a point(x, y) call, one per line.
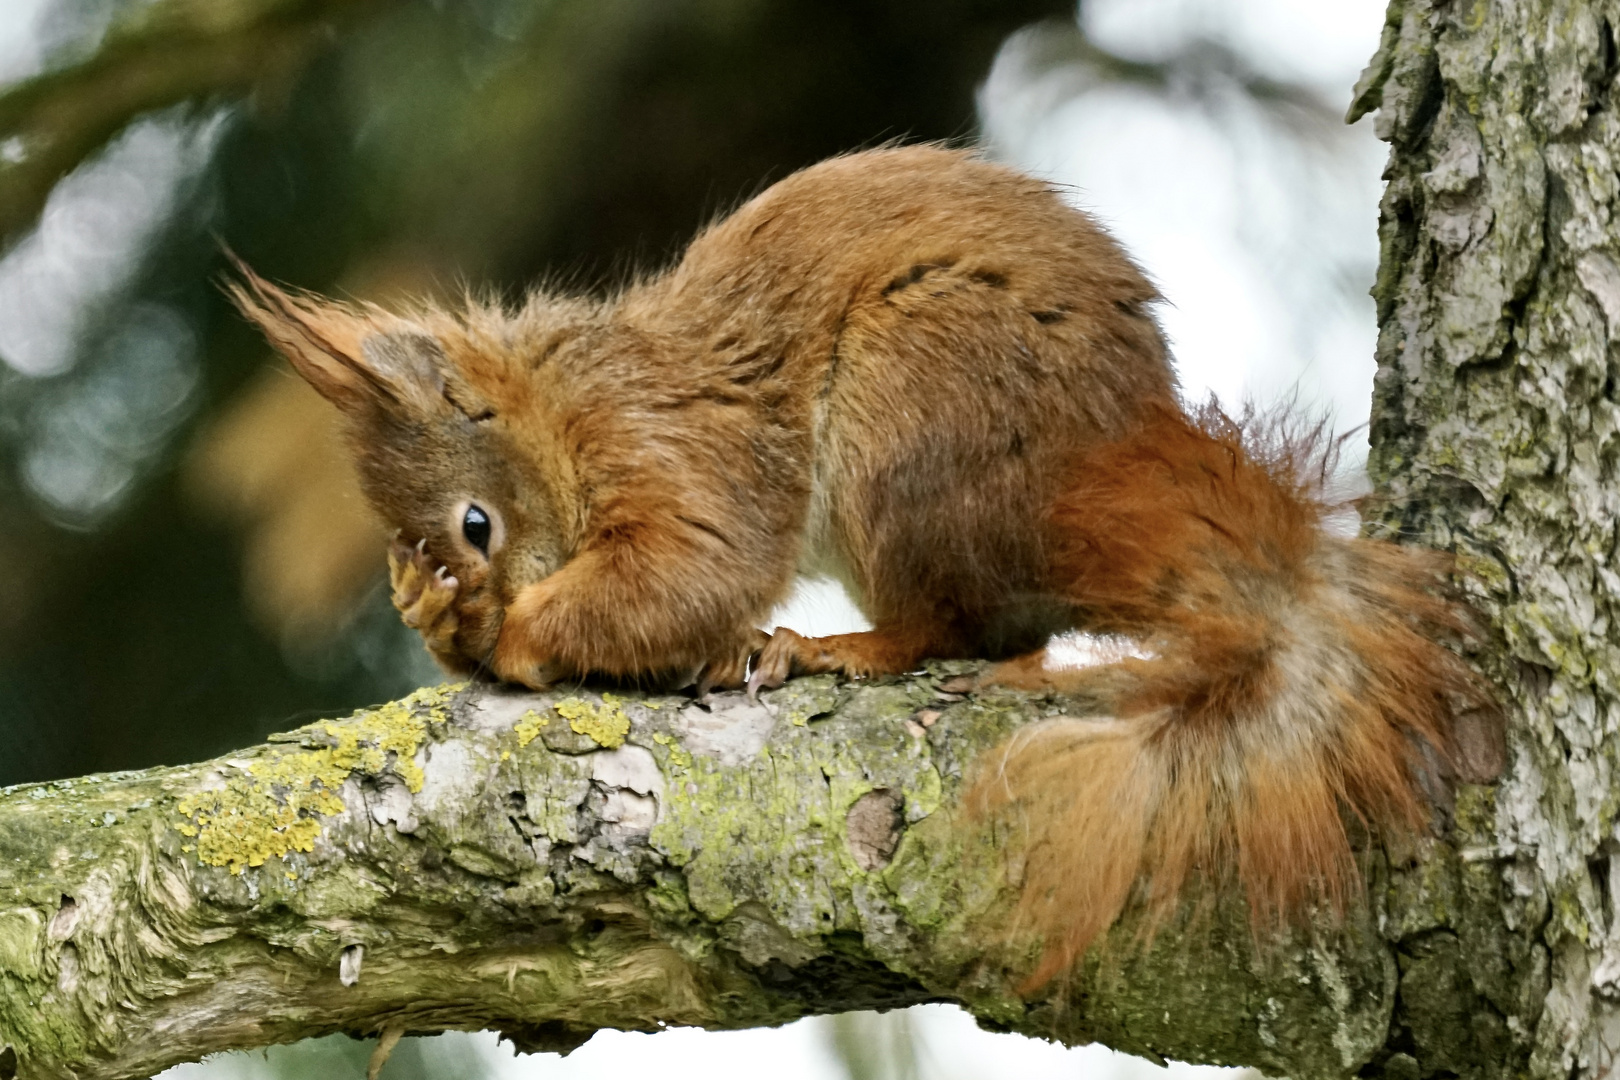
point(928, 377)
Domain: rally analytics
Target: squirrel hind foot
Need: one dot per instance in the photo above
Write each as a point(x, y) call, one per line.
point(863, 655)
point(732, 672)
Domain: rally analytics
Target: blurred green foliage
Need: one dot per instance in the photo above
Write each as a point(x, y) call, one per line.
point(492, 142)
point(338, 1057)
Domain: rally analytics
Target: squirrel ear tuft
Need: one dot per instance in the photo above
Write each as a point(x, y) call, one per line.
point(356, 358)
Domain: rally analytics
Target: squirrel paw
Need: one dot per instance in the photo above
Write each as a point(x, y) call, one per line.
point(787, 654)
point(860, 656)
point(424, 593)
point(731, 673)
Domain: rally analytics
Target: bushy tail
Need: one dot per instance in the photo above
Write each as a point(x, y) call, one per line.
point(1290, 676)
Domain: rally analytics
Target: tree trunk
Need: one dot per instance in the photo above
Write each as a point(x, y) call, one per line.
point(1493, 433)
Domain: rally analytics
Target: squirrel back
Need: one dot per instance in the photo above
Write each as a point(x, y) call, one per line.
point(927, 376)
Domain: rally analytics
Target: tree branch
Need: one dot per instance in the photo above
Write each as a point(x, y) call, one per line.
point(554, 864)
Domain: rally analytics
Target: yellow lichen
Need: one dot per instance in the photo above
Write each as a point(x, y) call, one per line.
point(270, 807)
point(678, 755)
point(606, 725)
point(529, 726)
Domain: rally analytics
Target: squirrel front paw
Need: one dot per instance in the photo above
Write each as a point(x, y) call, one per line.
point(425, 593)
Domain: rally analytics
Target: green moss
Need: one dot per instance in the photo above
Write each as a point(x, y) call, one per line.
point(1424, 897)
point(272, 806)
point(1475, 813)
point(28, 1016)
point(606, 725)
point(1567, 909)
point(1488, 571)
point(19, 938)
point(804, 699)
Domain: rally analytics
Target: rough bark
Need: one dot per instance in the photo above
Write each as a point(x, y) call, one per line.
point(1494, 433)
point(550, 865)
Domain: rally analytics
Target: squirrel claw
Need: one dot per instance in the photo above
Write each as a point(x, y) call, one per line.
point(776, 661)
point(424, 592)
point(732, 672)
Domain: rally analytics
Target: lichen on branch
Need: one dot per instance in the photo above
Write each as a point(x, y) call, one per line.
point(272, 807)
point(551, 864)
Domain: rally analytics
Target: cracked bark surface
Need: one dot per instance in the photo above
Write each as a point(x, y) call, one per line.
point(1494, 433)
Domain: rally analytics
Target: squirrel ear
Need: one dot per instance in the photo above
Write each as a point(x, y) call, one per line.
point(355, 358)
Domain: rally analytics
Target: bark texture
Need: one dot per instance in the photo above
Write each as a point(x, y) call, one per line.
point(549, 865)
point(1494, 433)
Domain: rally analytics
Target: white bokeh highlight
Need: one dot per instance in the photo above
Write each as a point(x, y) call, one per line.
point(22, 47)
point(61, 280)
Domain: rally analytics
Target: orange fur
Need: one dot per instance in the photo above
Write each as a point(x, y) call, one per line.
point(927, 376)
point(1294, 675)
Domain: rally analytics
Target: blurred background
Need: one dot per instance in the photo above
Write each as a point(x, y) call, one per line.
point(185, 565)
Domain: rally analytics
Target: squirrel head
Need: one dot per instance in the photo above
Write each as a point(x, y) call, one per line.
point(431, 408)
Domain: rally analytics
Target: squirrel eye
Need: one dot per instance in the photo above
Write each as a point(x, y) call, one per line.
point(475, 527)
